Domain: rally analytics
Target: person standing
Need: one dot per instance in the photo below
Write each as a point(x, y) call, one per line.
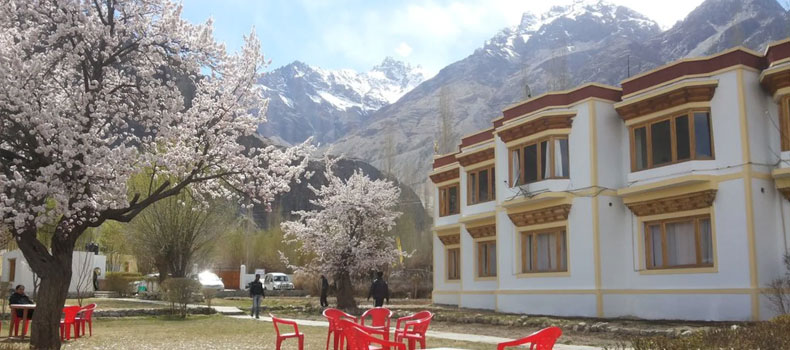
point(379, 290)
point(324, 291)
point(257, 294)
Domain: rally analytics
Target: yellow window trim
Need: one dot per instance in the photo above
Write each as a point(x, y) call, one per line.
point(640, 222)
point(537, 136)
point(668, 112)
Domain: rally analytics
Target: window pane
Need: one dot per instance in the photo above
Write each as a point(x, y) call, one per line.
point(528, 253)
point(531, 163)
point(706, 241)
point(702, 135)
point(544, 157)
point(473, 188)
point(453, 200)
point(656, 252)
point(563, 252)
point(493, 183)
point(492, 259)
point(661, 134)
point(640, 145)
point(483, 186)
point(683, 137)
point(544, 253)
point(561, 162)
point(681, 249)
point(443, 202)
point(515, 168)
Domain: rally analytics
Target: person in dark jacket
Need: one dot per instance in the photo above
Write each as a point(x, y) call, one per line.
point(257, 294)
point(324, 291)
point(379, 290)
point(19, 297)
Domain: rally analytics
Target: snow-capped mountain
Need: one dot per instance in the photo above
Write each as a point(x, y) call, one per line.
point(587, 41)
point(307, 101)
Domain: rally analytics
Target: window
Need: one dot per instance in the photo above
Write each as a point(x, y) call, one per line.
point(481, 185)
point(544, 159)
point(677, 139)
point(11, 270)
point(544, 251)
point(454, 264)
point(784, 122)
point(486, 255)
point(678, 243)
point(448, 200)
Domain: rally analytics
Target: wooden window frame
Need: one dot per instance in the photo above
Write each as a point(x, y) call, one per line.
point(784, 122)
point(457, 275)
point(697, 242)
point(673, 141)
point(550, 162)
point(444, 201)
point(472, 187)
point(12, 270)
point(484, 268)
point(560, 232)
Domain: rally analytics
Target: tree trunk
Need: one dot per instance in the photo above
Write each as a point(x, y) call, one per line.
point(53, 267)
point(49, 307)
point(345, 293)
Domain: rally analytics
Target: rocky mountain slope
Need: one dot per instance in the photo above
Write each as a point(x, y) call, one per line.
point(307, 101)
point(588, 41)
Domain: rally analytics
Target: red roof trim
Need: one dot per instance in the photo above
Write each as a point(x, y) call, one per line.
point(482, 136)
point(561, 99)
point(444, 160)
point(777, 52)
point(686, 68)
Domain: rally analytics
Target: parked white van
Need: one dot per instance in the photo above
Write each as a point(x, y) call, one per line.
point(277, 281)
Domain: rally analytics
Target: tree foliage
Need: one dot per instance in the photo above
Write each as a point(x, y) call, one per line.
point(348, 233)
point(94, 92)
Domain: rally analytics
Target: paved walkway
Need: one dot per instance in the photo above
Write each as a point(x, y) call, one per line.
point(433, 334)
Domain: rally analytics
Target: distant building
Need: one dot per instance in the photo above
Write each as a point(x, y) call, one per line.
point(666, 198)
point(17, 271)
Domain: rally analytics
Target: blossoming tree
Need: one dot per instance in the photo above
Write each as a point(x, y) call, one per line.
point(94, 92)
point(347, 233)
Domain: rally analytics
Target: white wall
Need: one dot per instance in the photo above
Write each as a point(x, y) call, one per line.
point(82, 267)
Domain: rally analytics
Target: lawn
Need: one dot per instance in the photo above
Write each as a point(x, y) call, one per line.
point(114, 304)
point(204, 332)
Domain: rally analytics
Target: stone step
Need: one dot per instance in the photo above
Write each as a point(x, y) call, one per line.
point(105, 294)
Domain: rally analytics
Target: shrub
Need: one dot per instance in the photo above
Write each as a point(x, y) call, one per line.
point(773, 334)
point(179, 292)
point(120, 282)
point(778, 290)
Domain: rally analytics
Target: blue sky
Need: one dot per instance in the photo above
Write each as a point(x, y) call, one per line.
point(358, 34)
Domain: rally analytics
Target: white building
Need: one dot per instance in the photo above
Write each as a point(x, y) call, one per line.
point(663, 199)
point(17, 271)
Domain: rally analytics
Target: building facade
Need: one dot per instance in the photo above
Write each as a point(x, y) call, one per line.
point(665, 198)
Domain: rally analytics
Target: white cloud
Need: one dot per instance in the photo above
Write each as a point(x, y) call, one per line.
point(404, 50)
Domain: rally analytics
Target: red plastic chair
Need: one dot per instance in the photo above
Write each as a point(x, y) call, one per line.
point(86, 316)
point(358, 337)
point(69, 320)
point(281, 337)
point(379, 321)
point(15, 321)
point(543, 339)
point(418, 316)
point(413, 331)
point(333, 316)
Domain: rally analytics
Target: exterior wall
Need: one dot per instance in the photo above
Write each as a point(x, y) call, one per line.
point(83, 264)
point(606, 274)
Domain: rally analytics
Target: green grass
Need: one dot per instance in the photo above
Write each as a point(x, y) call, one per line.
point(114, 304)
point(202, 332)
